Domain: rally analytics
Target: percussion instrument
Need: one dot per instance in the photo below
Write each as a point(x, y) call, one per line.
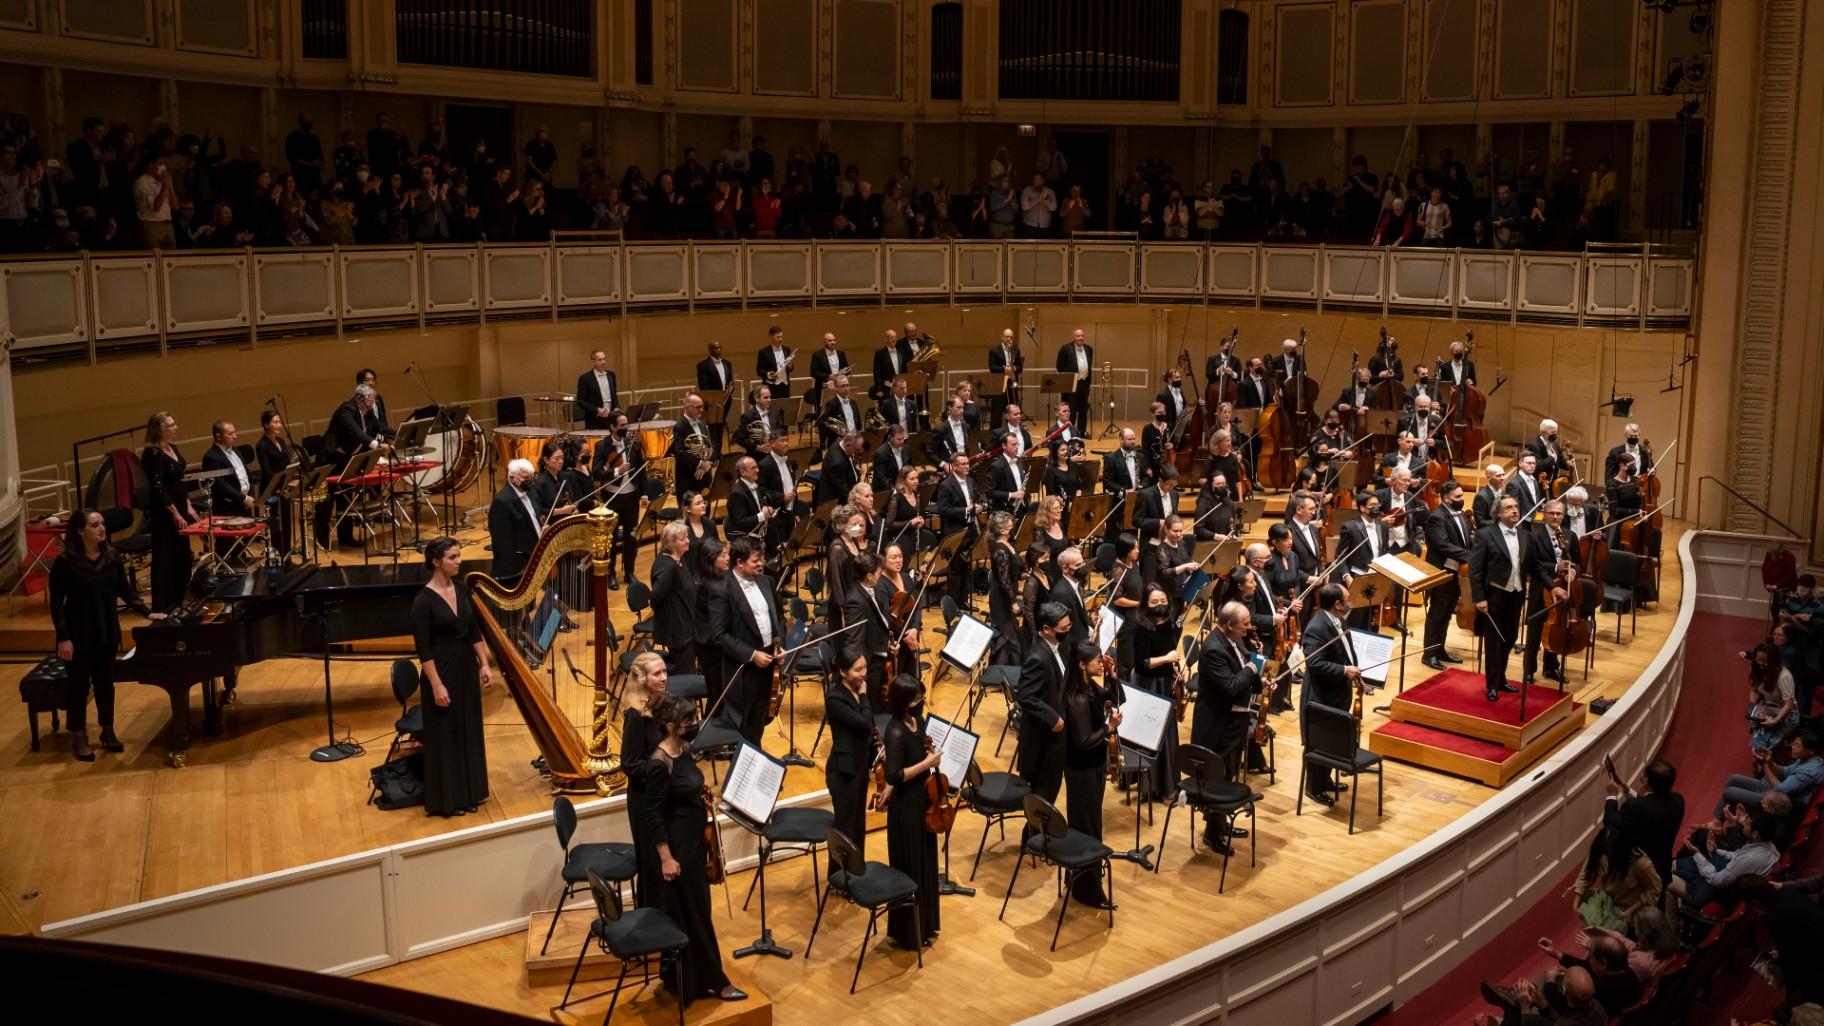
point(521, 442)
point(463, 452)
point(655, 437)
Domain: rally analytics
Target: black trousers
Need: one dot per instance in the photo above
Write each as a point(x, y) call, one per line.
point(849, 800)
point(1041, 761)
point(627, 519)
point(1499, 625)
point(1440, 607)
point(1078, 398)
point(86, 669)
point(681, 658)
point(1535, 635)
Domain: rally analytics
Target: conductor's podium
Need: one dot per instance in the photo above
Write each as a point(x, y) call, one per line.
point(1446, 723)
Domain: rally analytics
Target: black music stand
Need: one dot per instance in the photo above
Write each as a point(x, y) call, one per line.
point(764, 944)
point(332, 750)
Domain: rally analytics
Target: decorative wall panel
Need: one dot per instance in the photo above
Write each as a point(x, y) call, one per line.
point(1450, 50)
point(1304, 40)
point(1377, 51)
point(1523, 48)
point(1602, 46)
point(782, 61)
point(706, 44)
point(225, 25)
point(867, 48)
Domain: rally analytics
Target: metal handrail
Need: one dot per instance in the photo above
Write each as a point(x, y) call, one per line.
point(1745, 500)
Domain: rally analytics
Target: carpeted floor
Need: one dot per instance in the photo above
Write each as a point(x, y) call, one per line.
point(1464, 693)
point(1706, 742)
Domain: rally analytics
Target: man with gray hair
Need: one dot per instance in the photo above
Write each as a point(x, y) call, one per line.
point(1227, 680)
point(354, 428)
point(513, 523)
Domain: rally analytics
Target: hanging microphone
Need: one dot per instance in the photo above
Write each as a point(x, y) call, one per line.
point(409, 366)
point(1672, 384)
point(271, 398)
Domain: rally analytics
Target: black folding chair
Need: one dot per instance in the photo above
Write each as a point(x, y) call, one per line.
point(1330, 742)
point(411, 720)
point(877, 887)
point(635, 936)
point(1071, 852)
point(794, 832)
point(609, 860)
point(995, 797)
point(1204, 787)
point(1620, 577)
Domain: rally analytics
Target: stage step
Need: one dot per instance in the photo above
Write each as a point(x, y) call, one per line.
point(1455, 701)
point(651, 1004)
point(1441, 750)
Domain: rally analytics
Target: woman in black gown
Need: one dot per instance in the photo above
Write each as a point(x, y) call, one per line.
point(86, 581)
point(454, 663)
point(847, 540)
point(1155, 669)
point(676, 818)
point(170, 511)
point(697, 522)
point(640, 734)
point(902, 520)
point(1048, 527)
point(911, 848)
point(1004, 606)
point(1061, 477)
point(852, 750)
point(274, 453)
point(711, 564)
point(1087, 726)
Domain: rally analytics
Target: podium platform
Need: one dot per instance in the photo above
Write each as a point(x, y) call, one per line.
point(1446, 723)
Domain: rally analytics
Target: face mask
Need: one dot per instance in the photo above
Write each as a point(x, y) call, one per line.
point(1158, 613)
point(1082, 573)
point(1456, 504)
point(691, 732)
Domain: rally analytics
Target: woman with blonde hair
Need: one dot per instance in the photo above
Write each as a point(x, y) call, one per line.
point(1048, 527)
point(640, 734)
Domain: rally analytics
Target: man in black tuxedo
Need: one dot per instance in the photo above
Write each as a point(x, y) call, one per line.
point(1330, 672)
point(1580, 518)
point(1287, 365)
point(1524, 485)
point(1497, 583)
point(1548, 453)
point(1361, 541)
point(839, 409)
point(1123, 471)
point(758, 421)
point(1000, 359)
point(779, 476)
point(1040, 695)
point(897, 407)
point(1255, 390)
point(232, 494)
point(890, 362)
point(1307, 536)
point(596, 393)
point(1078, 358)
point(840, 471)
point(1447, 540)
point(825, 362)
point(1630, 446)
point(1227, 681)
point(950, 435)
point(772, 364)
point(745, 621)
point(1007, 484)
point(748, 501)
point(1171, 394)
point(377, 419)
point(674, 599)
point(1013, 423)
point(892, 457)
point(356, 426)
point(1224, 363)
point(1067, 591)
point(715, 378)
point(513, 524)
point(1650, 821)
point(692, 473)
point(1483, 506)
point(1422, 421)
point(958, 500)
point(618, 468)
point(1155, 502)
point(1459, 369)
point(1547, 546)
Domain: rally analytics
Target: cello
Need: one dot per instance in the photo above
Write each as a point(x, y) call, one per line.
point(1567, 630)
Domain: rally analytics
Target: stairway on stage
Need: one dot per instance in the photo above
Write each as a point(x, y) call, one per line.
point(1446, 723)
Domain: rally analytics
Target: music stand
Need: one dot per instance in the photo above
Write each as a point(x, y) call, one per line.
point(1366, 590)
point(1252, 510)
point(269, 495)
point(1089, 473)
point(755, 778)
point(1058, 382)
point(1383, 423)
point(1247, 424)
point(1088, 511)
point(1412, 574)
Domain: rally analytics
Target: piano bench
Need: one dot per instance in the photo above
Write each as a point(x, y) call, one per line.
point(41, 689)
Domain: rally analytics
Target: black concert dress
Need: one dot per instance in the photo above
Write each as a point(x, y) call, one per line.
point(455, 756)
point(640, 734)
point(83, 594)
point(911, 848)
point(1150, 642)
point(1086, 772)
point(675, 817)
point(170, 550)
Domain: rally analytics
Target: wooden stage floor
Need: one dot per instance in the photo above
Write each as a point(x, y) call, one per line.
point(81, 838)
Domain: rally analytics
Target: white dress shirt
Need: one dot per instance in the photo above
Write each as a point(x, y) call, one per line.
point(526, 501)
point(785, 476)
point(602, 387)
point(1019, 477)
point(763, 613)
point(1511, 537)
point(1082, 355)
point(240, 469)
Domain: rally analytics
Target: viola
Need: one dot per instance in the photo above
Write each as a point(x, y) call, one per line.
point(1178, 697)
point(712, 842)
point(878, 800)
point(940, 808)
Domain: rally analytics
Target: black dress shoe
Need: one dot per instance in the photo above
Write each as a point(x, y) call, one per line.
point(1447, 657)
point(1493, 695)
point(1527, 679)
point(1238, 831)
point(1321, 797)
point(110, 743)
point(1339, 788)
point(1509, 688)
point(733, 993)
point(1433, 663)
point(614, 583)
point(1557, 675)
point(1219, 845)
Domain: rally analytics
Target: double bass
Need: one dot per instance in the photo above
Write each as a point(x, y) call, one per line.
point(1193, 423)
point(1567, 630)
point(1465, 411)
point(1225, 385)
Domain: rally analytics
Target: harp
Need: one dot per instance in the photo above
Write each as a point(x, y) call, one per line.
point(567, 571)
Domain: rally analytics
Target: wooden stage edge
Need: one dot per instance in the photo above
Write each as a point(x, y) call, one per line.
point(1515, 737)
point(1496, 774)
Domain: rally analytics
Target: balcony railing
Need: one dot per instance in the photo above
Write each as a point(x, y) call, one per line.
point(71, 304)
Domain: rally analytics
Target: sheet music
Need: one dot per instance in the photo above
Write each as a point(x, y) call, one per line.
point(1403, 573)
point(969, 640)
point(1143, 718)
point(1105, 634)
point(956, 744)
point(753, 782)
point(1373, 654)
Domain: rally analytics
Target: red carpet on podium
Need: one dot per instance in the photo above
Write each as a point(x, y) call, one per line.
point(1447, 723)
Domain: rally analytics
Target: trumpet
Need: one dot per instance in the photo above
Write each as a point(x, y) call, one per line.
point(783, 375)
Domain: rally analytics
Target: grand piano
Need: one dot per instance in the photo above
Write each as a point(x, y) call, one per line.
point(260, 615)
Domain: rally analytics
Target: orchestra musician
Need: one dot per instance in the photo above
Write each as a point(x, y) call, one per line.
point(1362, 541)
point(230, 495)
point(1013, 423)
point(758, 421)
point(359, 424)
point(841, 470)
point(1357, 395)
point(1173, 398)
point(1548, 548)
point(852, 748)
point(1126, 590)
point(1630, 446)
point(1007, 362)
point(1153, 503)
point(950, 436)
point(1625, 499)
point(1385, 364)
point(618, 468)
point(596, 393)
point(1090, 722)
point(890, 458)
point(1525, 483)
point(1328, 440)
point(890, 361)
point(1459, 369)
point(1004, 607)
point(1227, 463)
point(716, 378)
point(1067, 591)
point(749, 504)
point(453, 660)
point(170, 511)
point(709, 564)
point(1397, 498)
point(1167, 561)
point(1078, 358)
point(1048, 533)
point(1307, 540)
point(513, 524)
point(1288, 364)
point(773, 364)
point(1422, 422)
point(87, 580)
point(1448, 535)
point(1497, 582)
point(640, 734)
point(903, 521)
point(848, 539)
point(1040, 695)
point(911, 848)
point(1223, 363)
point(1331, 671)
point(274, 453)
point(1581, 517)
point(1423, 387)
point(1228, 679)
point(1483, 506)
point(839, 413)
point(958, 505)
point(377, 420)
point(1123, 471)
point(1255, 389)
point(780, 477)
point(912, 342)
point(900, 409)
point(893, 580)
point(691, 473)
point(1548, 456)
point(1216, 513)
point(1156, 667)
point(559, 489)
point(972, 413)
point(825, 363)
point(674, 839)
point(1007, 485)
point(872, 640)
point(674, 599)
point(1155, 436)
point(745, 622)
point(1061, 478)
point(698, 526)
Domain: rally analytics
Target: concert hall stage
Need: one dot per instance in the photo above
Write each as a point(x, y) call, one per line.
point(1447, 723)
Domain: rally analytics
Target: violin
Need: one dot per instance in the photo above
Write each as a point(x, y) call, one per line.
point(775, 695)
point(712, 842)
point(1114, 743)
point(940, 808)
point(1178, 680)
point(878, 800)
